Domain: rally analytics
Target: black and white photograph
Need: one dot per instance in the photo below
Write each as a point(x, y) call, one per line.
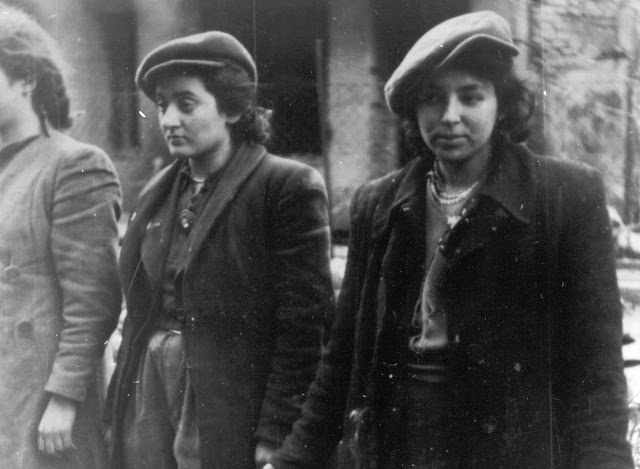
point(320, 234)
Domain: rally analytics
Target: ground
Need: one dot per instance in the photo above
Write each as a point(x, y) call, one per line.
point(629, 282)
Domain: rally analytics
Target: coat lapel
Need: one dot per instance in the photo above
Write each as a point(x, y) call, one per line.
point(505, 196)
point(241, 166)
point(132, 260)
point(407, 200)
point(399, 238)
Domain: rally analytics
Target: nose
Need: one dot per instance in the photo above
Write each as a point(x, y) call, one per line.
point(170, 118)
point(451, 113)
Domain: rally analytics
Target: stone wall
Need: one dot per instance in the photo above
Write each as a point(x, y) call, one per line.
point(578, 51)
point(583, 83)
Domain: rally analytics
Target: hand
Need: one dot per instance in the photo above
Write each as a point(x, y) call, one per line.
point(263, 456)
point(54, 431)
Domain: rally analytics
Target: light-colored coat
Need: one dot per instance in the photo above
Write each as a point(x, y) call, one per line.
point(59, 292)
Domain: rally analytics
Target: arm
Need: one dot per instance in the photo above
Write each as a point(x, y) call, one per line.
point(86, 205)
point(299, 245)
point(316, 434)
point(590, 377)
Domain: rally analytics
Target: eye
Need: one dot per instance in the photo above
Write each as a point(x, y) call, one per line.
point(161, 106)
point(186, 105)
point(471, 98)
point(432, 97)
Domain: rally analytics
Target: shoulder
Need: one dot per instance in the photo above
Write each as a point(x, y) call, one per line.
point(379, 193)
point(158, 179)
point(566, 191)
point(66, 150)
point(549, 170)
point(287, 173)
point(66, 161)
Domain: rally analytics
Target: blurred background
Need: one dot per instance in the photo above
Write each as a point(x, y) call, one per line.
point(322, 65)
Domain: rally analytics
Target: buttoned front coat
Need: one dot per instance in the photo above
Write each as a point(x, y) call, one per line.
point(534, 322)
point(255, 288)
point(59, 293)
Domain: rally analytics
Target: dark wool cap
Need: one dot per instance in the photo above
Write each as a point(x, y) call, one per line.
point(484, 31)
point(211, 49)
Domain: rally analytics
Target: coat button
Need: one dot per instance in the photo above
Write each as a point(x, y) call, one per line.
point(191, 322)
point(489, 425)
point(475, 352)
point(24, 329)
point(11, 272)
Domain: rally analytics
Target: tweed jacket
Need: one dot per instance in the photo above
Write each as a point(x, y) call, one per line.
point(255, 288)
point(534, 322)
point(59, 292)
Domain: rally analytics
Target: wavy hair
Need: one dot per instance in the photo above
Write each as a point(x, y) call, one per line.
point(28, 52)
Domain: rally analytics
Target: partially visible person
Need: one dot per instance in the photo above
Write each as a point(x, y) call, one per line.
point(59, 290)
point(225, 265)
point(479, 322)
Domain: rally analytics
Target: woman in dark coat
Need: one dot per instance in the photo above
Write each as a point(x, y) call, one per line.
point(225, 265)
point(59, 290)
point(479, 323)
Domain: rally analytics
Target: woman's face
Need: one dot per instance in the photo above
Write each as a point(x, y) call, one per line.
point(15, 101)
point(456, 114)
point(192, 124)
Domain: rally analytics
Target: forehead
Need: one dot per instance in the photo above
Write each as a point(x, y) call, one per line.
point(455, 78)
point(178, 83)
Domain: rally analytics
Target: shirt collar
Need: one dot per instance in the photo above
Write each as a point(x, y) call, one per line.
point(509, 182)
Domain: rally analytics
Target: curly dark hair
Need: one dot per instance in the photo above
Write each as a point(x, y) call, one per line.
point(516, 101)
point(28, 52)
point(236, 95)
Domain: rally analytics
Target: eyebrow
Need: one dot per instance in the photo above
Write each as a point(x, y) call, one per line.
point(178, 94)
point(469, 87)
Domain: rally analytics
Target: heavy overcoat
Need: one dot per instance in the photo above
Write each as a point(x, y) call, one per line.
point(255, 288)
point(534, 322)
point(59, 292)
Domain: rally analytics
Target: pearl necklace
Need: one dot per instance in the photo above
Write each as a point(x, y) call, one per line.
point(444, 198)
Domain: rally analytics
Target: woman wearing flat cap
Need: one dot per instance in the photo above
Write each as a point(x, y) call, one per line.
point(479, 321)
point(225, 268)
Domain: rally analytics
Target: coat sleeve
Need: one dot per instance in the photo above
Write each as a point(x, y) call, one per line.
point(299, 268)
point(590, 378)
point(315, 435)
point(85, 209)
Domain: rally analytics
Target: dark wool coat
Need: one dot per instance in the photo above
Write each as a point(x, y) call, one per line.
point(255, 288)
point(534, 322)
point(59, 293)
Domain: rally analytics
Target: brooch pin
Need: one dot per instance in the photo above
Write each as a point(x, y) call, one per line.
point(187, 217)
point(452, 220)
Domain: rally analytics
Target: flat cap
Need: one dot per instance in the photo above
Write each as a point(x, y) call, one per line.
point(211, 49)
point(485, 30)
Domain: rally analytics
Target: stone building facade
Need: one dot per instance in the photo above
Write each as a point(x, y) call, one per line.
point(323, 64)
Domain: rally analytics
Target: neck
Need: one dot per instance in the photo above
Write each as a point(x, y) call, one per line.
point(205, 165)
point(20, 129)
point(457, 175)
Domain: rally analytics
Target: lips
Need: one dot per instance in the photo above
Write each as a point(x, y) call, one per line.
point(175, 139)
point(449, 138)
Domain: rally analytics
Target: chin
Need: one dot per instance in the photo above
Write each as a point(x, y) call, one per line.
point(177, 153)
point(452, 157)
